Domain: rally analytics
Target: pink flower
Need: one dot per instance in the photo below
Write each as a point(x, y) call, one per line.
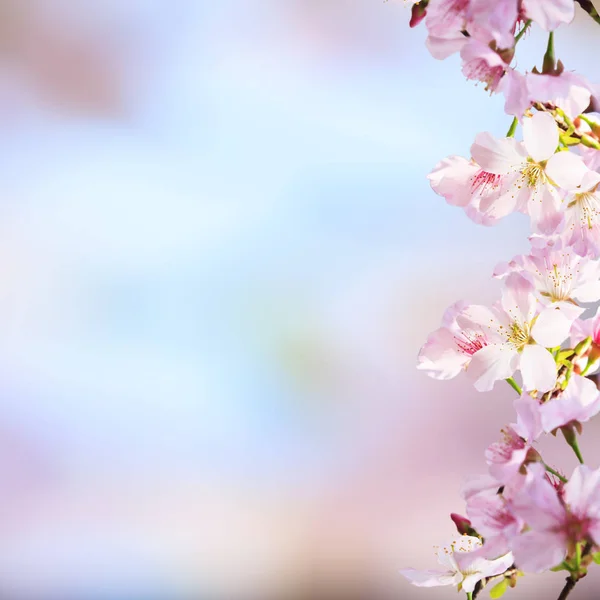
point(530, 167)
point(582, 216)
point(445, 21)
point(549, 14)
point(449, 349)
point(464, 183)
point(461, 568)
point(516, 338)
point(577, 404)
point(507, 458)
point(559, 276)
point(555, 521)
point(492, 517)
point(481, 63)
point(569, 91)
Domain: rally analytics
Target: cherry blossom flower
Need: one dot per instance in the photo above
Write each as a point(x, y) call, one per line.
point(445, 22)
point(492, 517)
point(568, 91)
point(449, 349)
point(555, 521)
point(516, 338)
point(461, 567)
point(481, 63)
point(577, 404)
point(486, 197)
point(491, 344)
point(559, 275)
point(582, 216)
point(532, 167)
point(507, 457)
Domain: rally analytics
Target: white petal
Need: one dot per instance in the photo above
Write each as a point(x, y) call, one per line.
point(431, 578)
point(551, 327)
point(540, 135)
point(499, 156)
point(492, 364)
point(538, 369)
point(567, 170)
point(518, 300)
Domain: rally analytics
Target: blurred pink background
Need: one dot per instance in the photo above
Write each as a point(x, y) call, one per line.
point(219, 258)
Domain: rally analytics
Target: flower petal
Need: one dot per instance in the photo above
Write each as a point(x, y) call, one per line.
point(538, 369)
point(536, 552)
point(567, 170)
point(431, 578)
point(540, 135)
point(492, 364)
point(551, 327)
point(499, 156)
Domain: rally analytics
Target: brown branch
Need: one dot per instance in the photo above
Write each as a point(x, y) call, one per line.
point(569, 585)
point(588, 7)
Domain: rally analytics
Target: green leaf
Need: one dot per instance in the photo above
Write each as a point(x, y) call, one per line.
point(596, 557)
point(498, 590)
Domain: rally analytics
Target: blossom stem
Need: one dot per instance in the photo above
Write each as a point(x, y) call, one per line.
point(522, 32)
point(513, 128)
point(569, 585)
point(469, 596)
point(555, 473)
point(571, 439)
point(514, 385)
point(549, 63)
point(589, 8)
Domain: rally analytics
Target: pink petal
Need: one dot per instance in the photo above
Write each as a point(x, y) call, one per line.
point(582, 493)
point(549, 14)
point(452, 178)
point(518, 300)
point(440, 357)
point(540, 135)
point(536, 552)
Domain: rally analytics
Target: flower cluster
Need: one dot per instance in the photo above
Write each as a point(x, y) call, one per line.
point(524, 516)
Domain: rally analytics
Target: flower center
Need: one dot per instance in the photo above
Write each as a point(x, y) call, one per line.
point(587, 205)
point(534, 174)
point(469, 342)
point(480, 70)
point(559, 280)
point(518, 334)
point(484, 182)
point(575, 528)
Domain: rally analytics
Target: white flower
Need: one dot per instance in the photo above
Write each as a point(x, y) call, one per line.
point(462, 566)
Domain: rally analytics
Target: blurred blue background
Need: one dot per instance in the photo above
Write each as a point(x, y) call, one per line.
point(219, 256)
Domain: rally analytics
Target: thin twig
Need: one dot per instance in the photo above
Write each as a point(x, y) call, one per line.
point(569, 585)
point(589, 9)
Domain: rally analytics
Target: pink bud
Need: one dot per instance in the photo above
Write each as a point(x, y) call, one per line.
point(419, 11)
point(463, 525)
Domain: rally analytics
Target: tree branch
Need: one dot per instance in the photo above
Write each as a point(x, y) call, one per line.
point(569, 585)
point(588, 7)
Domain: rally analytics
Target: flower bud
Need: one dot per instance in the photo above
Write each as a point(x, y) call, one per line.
point(419, 12)
point(583, 346)
point(463, 525)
